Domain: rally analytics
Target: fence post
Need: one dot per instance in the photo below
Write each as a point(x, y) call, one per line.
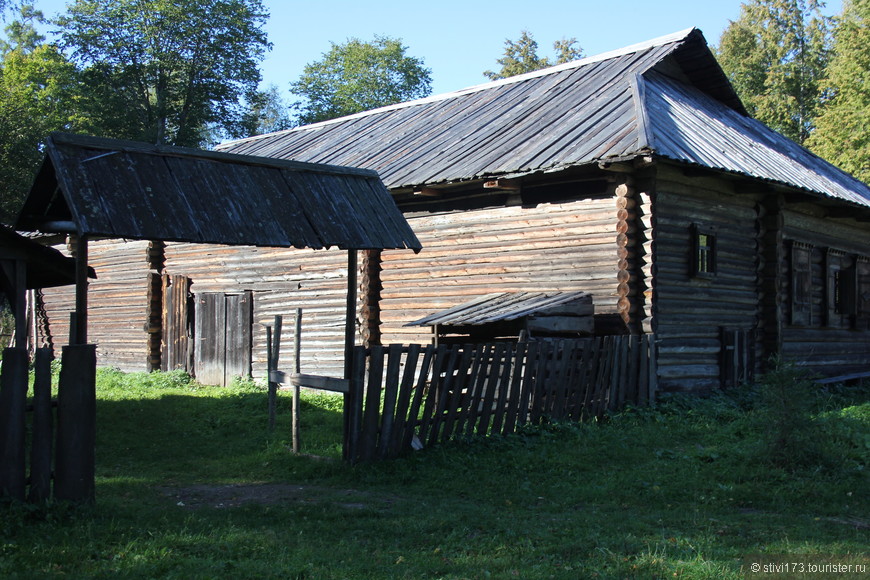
point(13, 398)
point(353, 405)
point(40, 452)
point(76, 424)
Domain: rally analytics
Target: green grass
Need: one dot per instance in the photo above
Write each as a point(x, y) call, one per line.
point(689, 489)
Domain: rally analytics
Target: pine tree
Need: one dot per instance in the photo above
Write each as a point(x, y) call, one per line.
point(522, 56)
point(842, 133)
point(775, 54)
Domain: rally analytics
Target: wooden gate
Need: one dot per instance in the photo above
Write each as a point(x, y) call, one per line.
point(175, 341)
point(737, 361)
point(222, 330)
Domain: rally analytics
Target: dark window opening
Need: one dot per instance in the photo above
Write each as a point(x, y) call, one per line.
point(862, 294)
point(801, 284)
point(703, 253)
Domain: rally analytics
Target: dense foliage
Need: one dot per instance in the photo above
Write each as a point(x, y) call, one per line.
point(358, 76)
point(174, 72)
point(775, 55)
point(164, 71)
point(521, 56)
point(39, 89)
point(842, 133)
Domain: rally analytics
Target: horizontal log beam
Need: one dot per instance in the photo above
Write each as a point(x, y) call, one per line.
point(310, 381)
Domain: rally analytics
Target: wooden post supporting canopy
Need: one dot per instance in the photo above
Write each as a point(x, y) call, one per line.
point(349, 339)
point(81, 314)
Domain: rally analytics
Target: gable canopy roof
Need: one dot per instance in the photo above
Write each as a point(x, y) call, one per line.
point(120, 189)
point(44, 267)
point(667, 97)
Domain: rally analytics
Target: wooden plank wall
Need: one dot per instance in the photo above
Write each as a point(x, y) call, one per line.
point(118, 317)
point(820, 345)
point(549, 247)
point(689, 311)
point(280, 280)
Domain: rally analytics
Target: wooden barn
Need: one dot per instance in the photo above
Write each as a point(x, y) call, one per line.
point(634, 176)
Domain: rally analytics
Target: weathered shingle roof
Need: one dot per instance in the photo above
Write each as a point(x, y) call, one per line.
point(122, 189)
point(666, 97)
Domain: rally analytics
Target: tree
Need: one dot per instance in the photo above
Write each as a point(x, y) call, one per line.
point(775, 53)
point(164, 71)
point(267, 113)
point(842, 132)
point(359, 76)
point(38, 95)
point(522, 56)
point(37, 91)
point(21, 33)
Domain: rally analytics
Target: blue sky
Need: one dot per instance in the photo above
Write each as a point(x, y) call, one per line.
point(458, 40)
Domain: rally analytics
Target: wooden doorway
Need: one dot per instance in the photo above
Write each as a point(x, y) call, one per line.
point(175, 327)
point(223, 332)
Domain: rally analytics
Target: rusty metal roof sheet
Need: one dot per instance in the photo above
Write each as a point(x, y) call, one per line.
point(499, 307)
point(121, 189)
point(666, 97)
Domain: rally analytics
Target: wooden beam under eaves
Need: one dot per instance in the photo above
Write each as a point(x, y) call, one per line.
point(503, 184)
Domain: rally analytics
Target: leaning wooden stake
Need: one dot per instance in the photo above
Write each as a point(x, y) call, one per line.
point(273, 353)
point(297, 368)
point(273, 386)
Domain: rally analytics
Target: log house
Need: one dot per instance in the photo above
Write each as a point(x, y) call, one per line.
point(635, 176)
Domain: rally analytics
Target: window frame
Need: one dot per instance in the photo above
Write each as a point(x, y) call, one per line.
point(801, 289)
point(703, 261)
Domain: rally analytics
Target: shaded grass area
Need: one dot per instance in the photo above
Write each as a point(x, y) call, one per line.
point(191, 484)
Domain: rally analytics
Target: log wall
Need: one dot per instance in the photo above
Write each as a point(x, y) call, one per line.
point(118, 308)
point(280, 280)
point(829, 346)
point(690, 311)
point(547, 247)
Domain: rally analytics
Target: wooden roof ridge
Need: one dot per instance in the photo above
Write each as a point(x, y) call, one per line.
point(676, 38)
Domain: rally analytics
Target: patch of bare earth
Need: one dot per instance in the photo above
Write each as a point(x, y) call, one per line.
point(230, 496)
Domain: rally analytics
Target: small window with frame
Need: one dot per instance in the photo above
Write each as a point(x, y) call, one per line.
point(862, 293)
point(703, 258)
point(801, 287)
point(841, 289)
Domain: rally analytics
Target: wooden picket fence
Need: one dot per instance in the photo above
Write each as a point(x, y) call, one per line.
point(405, 397)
